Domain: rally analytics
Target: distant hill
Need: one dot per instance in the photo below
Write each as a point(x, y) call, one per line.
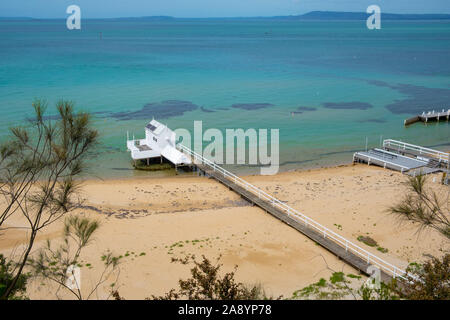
point(333, 15)
point(314, 15)
point(15, 18)
point(149, 18)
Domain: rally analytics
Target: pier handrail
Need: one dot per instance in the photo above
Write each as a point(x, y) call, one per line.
point(442, 156)
point(348, 245)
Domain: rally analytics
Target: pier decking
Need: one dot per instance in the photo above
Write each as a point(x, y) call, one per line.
point(429, 116)
point(405, 157)
point(346, 250)
point(390, 160)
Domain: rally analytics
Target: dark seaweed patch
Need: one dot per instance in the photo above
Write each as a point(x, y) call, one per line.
point(51, 117)
point(206, 110)
point(439, 145)
point(306, 109)
point(251, 106)
point(57, 117)
point(418, 99)
point(159, 110)
point(302, 109)
point(100, 112)
point(338, 152)
point(354, 105)
point(374, 120)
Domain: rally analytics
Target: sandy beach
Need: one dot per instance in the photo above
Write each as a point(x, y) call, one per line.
point(150, 221)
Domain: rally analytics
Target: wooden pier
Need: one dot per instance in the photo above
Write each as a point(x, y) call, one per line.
point(345, 250)
point(428, 117)
point(345, 255)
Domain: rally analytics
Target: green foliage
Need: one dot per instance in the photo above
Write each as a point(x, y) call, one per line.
point(52, 264)
point(207, 284)
point(382, 292)
point(424, 206)
point(38, 167)
point(337, 277)
point(339, 287)
point(6, 278)
point(336, 288)
point(428, 281)
point(381, 249)
point(367, 241)
point(80, 228)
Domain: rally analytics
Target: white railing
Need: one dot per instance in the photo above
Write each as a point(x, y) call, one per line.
point(433, 113)
point(399, 145)
point(327, 233)
point(368, 158)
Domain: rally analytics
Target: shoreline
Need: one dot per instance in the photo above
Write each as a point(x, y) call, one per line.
point(159, 174)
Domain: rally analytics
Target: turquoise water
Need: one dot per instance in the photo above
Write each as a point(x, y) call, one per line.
point(111, 68)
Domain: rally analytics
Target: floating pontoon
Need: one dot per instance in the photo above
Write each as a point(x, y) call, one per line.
point(405, 157)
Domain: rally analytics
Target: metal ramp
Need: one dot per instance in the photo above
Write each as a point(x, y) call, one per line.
point(176, 157)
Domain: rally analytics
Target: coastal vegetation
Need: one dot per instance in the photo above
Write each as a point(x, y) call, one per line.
point(371, 243)
point(38, 167)
point(424, 206)
point(428, 281)
point(340, 286)
point(6, 277)
point(58, 265)
point(206, 283)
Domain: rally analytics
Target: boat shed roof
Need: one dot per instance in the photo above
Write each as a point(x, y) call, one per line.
point(155, 127)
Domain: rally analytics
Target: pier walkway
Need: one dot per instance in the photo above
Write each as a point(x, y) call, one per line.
point(346, 250)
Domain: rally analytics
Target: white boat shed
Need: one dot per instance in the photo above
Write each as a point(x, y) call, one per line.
point(159, 142)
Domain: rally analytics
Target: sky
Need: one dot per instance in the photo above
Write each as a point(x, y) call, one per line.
point(209, 8)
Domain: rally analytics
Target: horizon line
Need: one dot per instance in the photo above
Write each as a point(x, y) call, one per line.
point(224, 17)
